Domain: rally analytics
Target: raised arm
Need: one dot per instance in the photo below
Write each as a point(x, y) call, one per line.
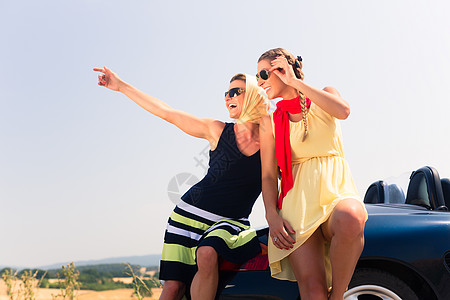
point(327, 99)
point(208, 129)
point(278, 226)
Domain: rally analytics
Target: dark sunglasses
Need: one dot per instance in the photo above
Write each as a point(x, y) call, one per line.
point(263, 74)
point(234, 92)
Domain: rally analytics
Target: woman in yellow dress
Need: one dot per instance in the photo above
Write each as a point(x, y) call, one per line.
point(316, 218)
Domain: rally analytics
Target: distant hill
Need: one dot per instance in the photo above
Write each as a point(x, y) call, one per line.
point(12, 267)
point(144, 261)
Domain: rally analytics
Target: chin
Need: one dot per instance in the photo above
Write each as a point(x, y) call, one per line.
point(270, 95)
point(235, 115)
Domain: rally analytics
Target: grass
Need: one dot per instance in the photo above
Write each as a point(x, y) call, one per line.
point(140, 288)
point(68, 284)
point(72, 285)
point(21, 287)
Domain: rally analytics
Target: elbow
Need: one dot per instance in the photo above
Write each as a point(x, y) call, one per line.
point(341, 110)
point(269, 181)
point(167, 114)
point(344, 113)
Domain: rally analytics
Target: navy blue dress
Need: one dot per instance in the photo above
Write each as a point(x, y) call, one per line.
point(214, 212)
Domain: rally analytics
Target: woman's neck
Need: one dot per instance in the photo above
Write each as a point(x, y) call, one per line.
point(248, 128)
point(247, 137)
point(289, 93)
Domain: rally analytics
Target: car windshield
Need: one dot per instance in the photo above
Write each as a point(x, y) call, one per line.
point(395, 188)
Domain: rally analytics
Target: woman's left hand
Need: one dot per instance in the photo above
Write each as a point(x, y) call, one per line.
point(283, 70)
point(280, 231)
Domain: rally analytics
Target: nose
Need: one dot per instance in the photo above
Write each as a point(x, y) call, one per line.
point(260, 81)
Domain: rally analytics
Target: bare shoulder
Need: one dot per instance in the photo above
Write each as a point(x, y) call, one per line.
point(266, 120)
point(331, 90)
point(215, 128)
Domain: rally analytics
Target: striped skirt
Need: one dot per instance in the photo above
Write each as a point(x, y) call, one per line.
point(190, 227)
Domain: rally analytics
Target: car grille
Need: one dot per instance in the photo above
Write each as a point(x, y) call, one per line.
point(447, 261)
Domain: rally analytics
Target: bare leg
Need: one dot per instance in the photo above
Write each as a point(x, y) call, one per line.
point(345, 230)
point(307, 262)
point(204, 285)
point(172, 290)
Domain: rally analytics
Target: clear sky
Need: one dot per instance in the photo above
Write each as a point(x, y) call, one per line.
point(85, 173)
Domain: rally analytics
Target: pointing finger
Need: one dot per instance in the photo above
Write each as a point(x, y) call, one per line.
point(99, 70)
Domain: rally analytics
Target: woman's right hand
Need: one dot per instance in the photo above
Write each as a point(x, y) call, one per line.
point(279, 230)
point(108, 79)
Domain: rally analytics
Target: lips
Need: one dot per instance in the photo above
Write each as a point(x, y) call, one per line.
point(232, 105)
point(268, 90)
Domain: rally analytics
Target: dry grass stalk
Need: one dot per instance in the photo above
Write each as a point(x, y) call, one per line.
point(24, 287)
point(69, 285)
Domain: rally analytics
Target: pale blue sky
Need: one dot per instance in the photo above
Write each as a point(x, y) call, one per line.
point(84, 172)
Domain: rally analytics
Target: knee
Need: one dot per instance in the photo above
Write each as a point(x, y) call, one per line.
point(350, 219)
point(207, 258)
point(174, 288)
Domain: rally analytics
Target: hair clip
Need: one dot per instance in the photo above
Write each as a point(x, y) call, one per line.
point(297, 61)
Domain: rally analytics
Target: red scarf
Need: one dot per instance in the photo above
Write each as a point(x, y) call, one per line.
point(283, 142)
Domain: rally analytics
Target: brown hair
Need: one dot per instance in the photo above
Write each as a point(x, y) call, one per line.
point(296, 65)
point(238, 76)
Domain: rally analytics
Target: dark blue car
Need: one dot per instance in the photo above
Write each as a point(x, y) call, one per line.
point(406, 253)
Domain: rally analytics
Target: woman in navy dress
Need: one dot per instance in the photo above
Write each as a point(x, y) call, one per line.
point(211, 220)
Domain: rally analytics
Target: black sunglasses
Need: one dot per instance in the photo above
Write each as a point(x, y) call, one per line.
point(234, 92)
point(263, 74)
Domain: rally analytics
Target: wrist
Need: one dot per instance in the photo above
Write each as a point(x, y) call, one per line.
point(271, 213)
point(295, 83)
point(122, 86)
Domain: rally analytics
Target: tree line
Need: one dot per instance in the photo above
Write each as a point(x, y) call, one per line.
point(94, 277)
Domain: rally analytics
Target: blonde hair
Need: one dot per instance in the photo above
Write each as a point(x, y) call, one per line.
point(256, 101)
point(296, 65)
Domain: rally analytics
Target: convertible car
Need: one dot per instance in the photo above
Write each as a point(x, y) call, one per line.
point(406, 253)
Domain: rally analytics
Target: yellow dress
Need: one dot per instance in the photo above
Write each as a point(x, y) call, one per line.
point(321, 179)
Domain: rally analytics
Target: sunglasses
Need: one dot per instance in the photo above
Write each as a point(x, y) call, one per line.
point(234, 92)
point(263, 74)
